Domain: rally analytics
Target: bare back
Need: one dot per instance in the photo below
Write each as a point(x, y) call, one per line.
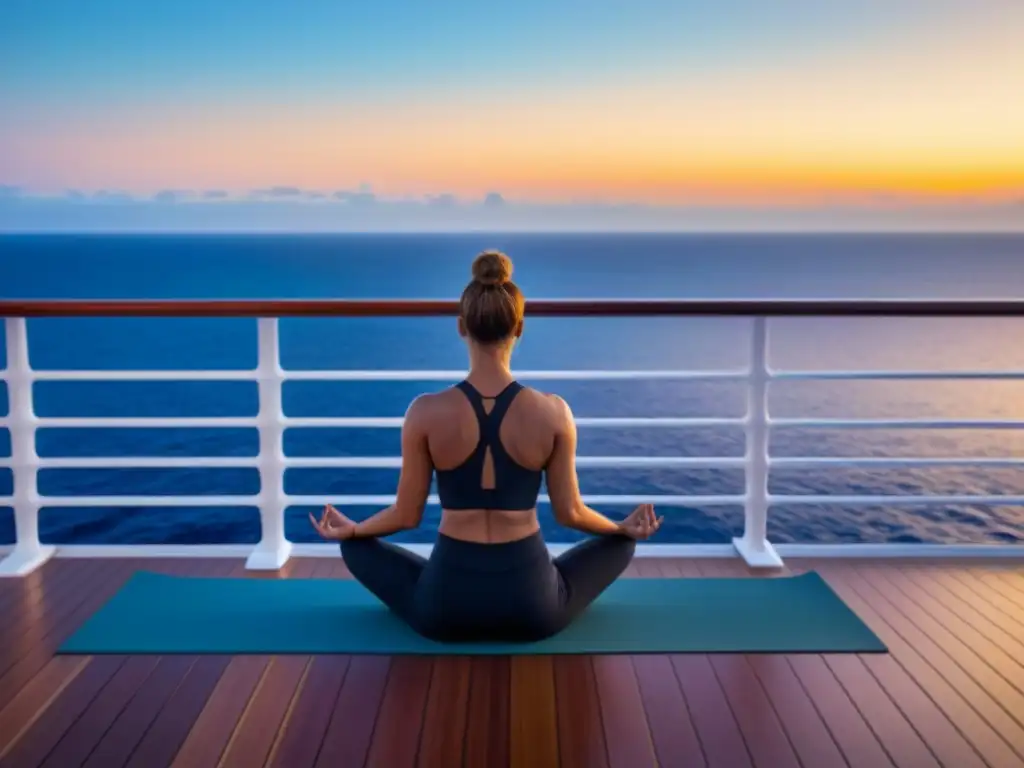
point(527, 433)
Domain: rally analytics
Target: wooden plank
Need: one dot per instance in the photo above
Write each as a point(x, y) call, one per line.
point(626, 733)
point(892, 727)
point(533, 715)
point(171, 726)
point(713, 719)
point(858, 743)
point(396, 735)
point(807, 731)
point(958, 647)
point(758, 722)
point(254, 736)
point(303, 732)
point(115, 747)
point(35, 649)
point(997, 647)
point(488, 728)
point(26, 607)
point(20, 712)
point(1014, 580)
point(42, 736)
point(209, 735)
point(972, 588)
point(996, 736)
point(581, 742)
point(82, 737)
point(673, 734)
point(356, 709)
point(443, 739)
point(29, 644)
point(1005, 622)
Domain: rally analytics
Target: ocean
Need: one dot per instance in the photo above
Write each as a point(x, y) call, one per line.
point(547, 266)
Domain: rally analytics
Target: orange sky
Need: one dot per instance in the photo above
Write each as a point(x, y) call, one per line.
point(940, 115)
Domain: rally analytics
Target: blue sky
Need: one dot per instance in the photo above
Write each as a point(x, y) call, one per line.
point(754, 104)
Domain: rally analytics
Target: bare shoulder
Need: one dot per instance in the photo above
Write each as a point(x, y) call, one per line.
point(554, 409)
point(424, 409)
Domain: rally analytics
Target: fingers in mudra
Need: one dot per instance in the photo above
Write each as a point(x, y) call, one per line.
point(330, 522)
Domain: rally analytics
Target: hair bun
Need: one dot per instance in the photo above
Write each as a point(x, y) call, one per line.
point(492, 268)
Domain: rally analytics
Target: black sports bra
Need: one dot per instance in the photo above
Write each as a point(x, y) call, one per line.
point(515, 486)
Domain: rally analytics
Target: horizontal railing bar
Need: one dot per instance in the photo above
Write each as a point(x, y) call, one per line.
point(241, 500)
point(885, 500)
point(897, 375)
point(103, 376)
point(810, 462)
point(613, 422)
point(598, 421)
point(119, 422)
point(148, 462)
point(900, 423)
point(645, 550)
point(384, 375)
point(584, 462)
point(668, 499)
point(385, 499)
point(348, 500)
point(564, 375)
point(536, 375)
point(535, 307)
point(357, 462)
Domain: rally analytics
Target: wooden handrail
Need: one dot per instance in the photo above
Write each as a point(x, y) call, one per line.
point(534, 308)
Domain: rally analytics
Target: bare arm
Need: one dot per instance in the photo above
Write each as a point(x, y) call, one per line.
point(563, 484)
point(413, 484)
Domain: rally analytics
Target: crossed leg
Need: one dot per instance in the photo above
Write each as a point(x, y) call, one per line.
point(589, 568)
point(388, 571)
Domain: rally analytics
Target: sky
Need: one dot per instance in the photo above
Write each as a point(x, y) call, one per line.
point(398, 113)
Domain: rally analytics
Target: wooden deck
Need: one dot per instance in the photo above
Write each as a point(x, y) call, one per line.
point(950, 694)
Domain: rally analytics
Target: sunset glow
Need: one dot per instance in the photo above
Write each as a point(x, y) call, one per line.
point(662, 103)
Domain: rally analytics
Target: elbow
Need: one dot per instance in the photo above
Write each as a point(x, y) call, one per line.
point(565, 514)
point(408, 519)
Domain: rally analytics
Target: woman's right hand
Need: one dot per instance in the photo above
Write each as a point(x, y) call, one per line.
point(333, 525)
point(641, 523)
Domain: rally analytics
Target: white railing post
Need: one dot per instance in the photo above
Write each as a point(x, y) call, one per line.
point(28, 553)
point(274, 549)
point(754, 546)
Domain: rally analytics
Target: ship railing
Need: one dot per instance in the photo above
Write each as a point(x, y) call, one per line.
point(273, 548)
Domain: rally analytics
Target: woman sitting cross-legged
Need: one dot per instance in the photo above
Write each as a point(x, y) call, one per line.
point(489, 440)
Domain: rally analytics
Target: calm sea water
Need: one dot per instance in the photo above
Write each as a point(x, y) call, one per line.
point(437, 266)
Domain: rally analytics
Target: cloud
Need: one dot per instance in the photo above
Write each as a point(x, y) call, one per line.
point(280, 191)
point(294, 209)
point(112, 196)
point(444, 200)
point(363, 197)
point(171, 195)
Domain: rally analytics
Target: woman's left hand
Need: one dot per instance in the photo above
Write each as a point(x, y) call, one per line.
point(333, 525)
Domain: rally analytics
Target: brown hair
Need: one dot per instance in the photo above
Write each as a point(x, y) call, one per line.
point(492, 306)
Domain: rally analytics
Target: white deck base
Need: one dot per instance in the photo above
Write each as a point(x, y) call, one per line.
point(759, 557)
point(269, 558)
point(22, 561)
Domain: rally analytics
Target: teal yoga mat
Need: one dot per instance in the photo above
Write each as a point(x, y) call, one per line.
point(155, 613)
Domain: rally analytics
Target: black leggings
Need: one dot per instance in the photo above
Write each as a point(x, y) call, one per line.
point(467, 592)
